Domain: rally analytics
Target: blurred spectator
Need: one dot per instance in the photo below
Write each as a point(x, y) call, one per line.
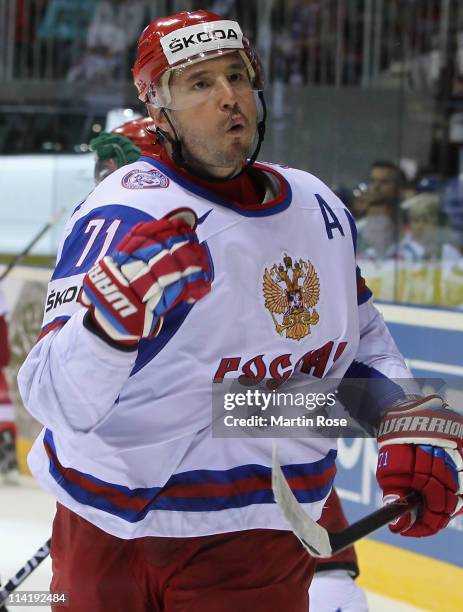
point(453, 206)
point(408, 190)
point(64, 23)
point(428, 180)
point(67, 19)
point(305, 43)
point(224, 8)
point(114, 28)
point(428, 258)
point(8, 463)
point(425, 236)
point(385, 183)
point(378, 229)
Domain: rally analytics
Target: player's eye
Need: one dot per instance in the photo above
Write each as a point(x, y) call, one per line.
point(200, 85)
point(236, 77)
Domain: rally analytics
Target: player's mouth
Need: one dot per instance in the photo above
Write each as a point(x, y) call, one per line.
point(237, 126)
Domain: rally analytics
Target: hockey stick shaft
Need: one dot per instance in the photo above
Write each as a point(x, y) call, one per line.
point(25, 571)
point(20, 256)
point(3, 608)
point(315, 538)
point(372, 522)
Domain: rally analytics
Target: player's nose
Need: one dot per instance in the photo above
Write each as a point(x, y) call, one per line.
point(226, 93)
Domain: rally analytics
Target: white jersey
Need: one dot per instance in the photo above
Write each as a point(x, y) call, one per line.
point(127, 442)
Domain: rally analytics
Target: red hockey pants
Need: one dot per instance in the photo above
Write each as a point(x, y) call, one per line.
point(260, 570)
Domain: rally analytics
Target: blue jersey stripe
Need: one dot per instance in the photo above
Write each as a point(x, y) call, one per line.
point(133, 505)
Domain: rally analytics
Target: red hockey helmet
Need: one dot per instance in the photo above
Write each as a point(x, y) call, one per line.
point(142, 132)
point(182, 40)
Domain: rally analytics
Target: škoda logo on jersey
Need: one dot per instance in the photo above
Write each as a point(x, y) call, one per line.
point(290, 291)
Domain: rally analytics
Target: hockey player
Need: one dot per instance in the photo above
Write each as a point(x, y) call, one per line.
point(182, 258)
point(333, 583)
point(122, 146)
point(142, 132)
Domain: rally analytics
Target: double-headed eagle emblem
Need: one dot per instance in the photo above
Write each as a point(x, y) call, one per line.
point(293, 300)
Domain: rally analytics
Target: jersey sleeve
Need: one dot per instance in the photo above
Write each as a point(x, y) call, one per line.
point(377, 349)
point(381, 374)
point(71, 379)
point(87, 239)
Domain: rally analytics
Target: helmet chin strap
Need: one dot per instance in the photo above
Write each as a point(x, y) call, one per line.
point(177, 153)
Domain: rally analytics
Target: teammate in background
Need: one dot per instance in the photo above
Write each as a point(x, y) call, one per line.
point(333, 583)
point(122, 146)
point(182, 257)
point(8, 461)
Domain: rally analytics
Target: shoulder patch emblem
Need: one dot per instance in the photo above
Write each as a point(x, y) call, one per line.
point(291, 291)
point(145, 179)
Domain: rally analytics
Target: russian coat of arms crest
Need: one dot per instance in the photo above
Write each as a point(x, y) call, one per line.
point(292, 290)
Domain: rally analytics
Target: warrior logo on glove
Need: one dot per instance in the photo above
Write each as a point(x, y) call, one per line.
point(157, 265)
point(421, 449)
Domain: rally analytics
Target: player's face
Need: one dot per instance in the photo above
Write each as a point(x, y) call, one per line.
point(218, 116)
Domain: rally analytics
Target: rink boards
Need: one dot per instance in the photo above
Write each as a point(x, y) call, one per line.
point(425, 571)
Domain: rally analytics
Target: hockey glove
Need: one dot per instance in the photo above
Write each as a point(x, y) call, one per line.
point(421, 449)
point(156, 265)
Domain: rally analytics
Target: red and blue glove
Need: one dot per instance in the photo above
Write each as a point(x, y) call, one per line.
point(156, 265)
point(421, 449)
